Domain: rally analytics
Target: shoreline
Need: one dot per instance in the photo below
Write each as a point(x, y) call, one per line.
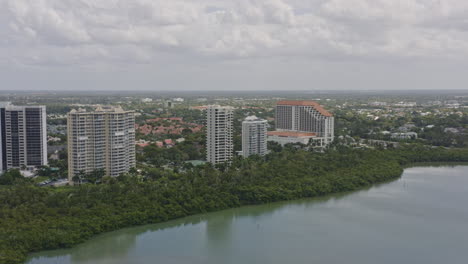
point(324, 197)
point(84, 212)
point(200, 216)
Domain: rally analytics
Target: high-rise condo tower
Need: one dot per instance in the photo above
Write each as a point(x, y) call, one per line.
point(103, 139)
point(254, 136)
point(23, 136)
point(219, 144)
point(305, 116)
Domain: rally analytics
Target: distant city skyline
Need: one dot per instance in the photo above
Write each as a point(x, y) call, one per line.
point(244, 45)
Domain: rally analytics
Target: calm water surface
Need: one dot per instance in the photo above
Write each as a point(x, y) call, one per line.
point(420, 218)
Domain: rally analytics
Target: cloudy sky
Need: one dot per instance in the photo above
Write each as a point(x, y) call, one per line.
point(233, 44)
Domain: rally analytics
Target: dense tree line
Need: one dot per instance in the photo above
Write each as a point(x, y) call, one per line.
point(193, 148)
point(13, 177)
point(34, 219)
point(437, 136)
point(147, 111)
point(56, 108)
point(360, 126)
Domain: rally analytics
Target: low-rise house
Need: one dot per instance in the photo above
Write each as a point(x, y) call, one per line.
point(176, 126)
point(406, 127)
point(378, 104)
point(180, 119)
point(452, 130)
point(54, 156)
point(287, 137)
point(168, 142)
point(406, 104)
point(407, 135)
point(53, 139)
point(178, 99)
point(200, 108)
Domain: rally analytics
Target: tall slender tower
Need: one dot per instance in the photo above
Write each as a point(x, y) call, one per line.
point(23, 136)
point(103, 139)
point(254, 136)
point(219, 144)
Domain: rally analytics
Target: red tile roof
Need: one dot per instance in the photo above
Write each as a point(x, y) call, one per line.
point(165, 118)
point(316, 105)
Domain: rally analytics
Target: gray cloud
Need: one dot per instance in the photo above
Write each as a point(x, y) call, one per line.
point(120, 33)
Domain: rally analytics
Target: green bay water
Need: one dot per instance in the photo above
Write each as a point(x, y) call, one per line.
point(420, 218)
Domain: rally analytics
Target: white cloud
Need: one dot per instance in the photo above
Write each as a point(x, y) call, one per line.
point(50, 32)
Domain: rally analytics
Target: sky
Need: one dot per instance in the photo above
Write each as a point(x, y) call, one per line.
point(233, 44)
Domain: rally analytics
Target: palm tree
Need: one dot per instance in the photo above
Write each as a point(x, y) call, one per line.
point(79, 177)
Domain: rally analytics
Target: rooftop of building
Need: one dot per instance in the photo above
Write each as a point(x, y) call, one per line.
point(314, 104)
point(220, 107)
point(290, 134)
point(253, 118)
point(102, 109)
point(12, 107)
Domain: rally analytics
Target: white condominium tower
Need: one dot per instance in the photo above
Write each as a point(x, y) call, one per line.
point(219, 145)
point(305, 116)
point(103, 139)
point(23, 136)
point(254, 136)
